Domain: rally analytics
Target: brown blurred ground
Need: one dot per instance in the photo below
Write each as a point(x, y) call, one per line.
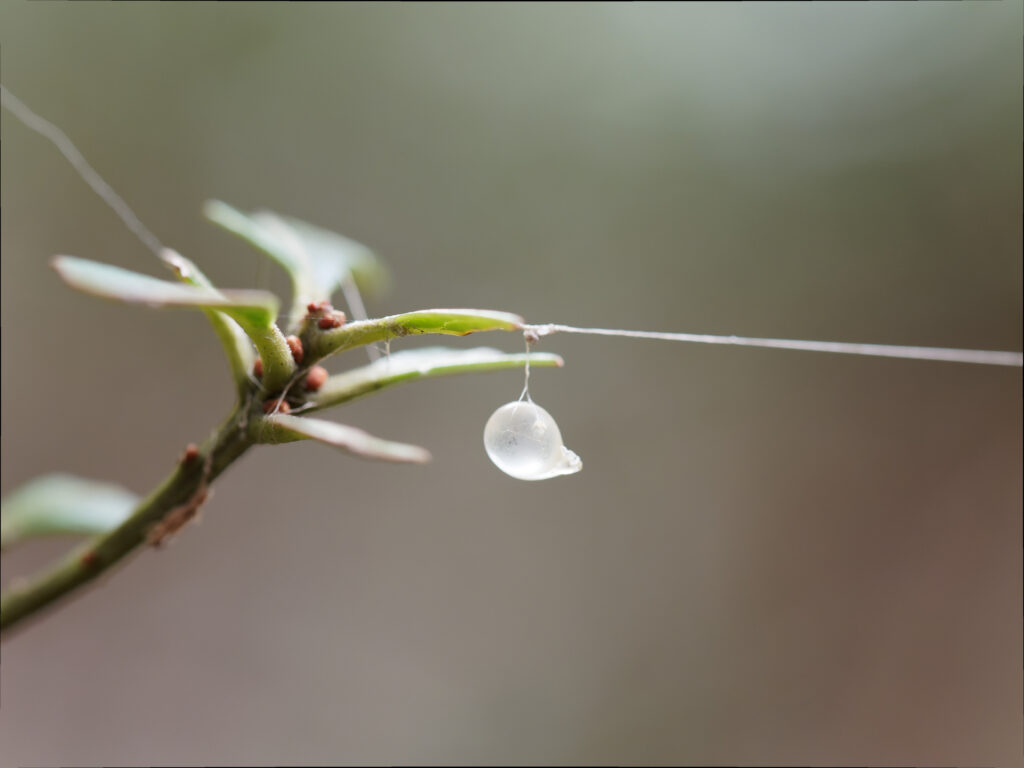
point(770, 557)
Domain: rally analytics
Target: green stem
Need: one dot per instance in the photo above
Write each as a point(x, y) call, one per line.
point(84, 563)
point(278, 365)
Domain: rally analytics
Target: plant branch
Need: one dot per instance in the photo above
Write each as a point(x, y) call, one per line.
point(184, 488)
point(179, 497)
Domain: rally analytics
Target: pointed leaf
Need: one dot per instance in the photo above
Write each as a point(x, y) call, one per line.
point(457, 322)
point(335, 256)
point(254, 311)
point(63, 504)
point(414, 364)
point(281, 428)
point(257, 308)
point(317, 260)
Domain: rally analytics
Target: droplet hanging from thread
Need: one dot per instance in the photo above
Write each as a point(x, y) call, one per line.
point(523, 440)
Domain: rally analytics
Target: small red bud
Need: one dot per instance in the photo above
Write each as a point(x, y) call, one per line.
point(191, 454)
point(257, 369)
point(272, 403)
point(333, 320)
point(89, 559)
point(315, 378)
point(319, 307)
point(295, 345)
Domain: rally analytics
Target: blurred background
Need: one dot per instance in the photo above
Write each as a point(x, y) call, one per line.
point(769, 557)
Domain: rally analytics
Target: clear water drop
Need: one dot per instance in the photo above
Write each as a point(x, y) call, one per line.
point(523, 441)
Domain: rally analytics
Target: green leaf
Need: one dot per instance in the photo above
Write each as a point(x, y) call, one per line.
point(457, 322)
point(63, 504)
point(282, 428)
point(334, 257)
point(237, 345)
point(254, 311)
point(317, 260)
point(414, 364)
point(257, 308)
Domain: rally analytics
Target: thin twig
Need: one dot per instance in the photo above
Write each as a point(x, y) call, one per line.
point(181, 490)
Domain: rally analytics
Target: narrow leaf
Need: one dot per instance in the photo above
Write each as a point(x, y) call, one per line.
point(457, 322)
point(409, 365)
point(281, 428)
point(63, 504)
point(317, 260)
point(254, 311)
point(334, 257)
point(247, 307)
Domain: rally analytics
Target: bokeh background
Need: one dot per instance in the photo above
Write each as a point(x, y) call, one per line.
point(770, 556)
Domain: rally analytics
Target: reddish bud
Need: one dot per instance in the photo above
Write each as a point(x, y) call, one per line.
point(191, 454)
point(295, 345)
point(333, 320)
point(319, 307)
point(269, 406)
point(315, 378)
point(257, 369)
point(89, 559)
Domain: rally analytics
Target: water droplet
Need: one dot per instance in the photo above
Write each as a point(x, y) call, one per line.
point(523, 441)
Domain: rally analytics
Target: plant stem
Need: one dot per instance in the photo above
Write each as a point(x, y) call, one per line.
point(183, 487)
